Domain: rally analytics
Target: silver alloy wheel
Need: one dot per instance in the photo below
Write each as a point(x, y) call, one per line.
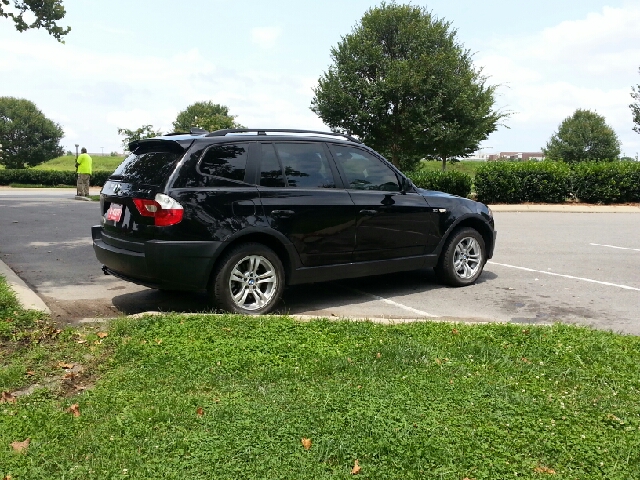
point(253, 282)
point(467, 258)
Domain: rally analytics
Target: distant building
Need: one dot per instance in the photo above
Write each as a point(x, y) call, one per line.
point(516, 156)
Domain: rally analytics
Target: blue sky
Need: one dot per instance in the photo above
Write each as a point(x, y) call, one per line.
point(129, 63)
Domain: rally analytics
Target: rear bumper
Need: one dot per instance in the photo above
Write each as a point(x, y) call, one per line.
point(158, 264)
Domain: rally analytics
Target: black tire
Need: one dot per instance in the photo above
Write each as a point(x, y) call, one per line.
point(456, 274)
point(260, 287)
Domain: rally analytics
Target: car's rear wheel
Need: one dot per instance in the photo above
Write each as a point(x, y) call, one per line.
point(463, 258)
point(249, 280)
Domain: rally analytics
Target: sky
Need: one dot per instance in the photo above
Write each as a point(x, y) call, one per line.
point(131, 63)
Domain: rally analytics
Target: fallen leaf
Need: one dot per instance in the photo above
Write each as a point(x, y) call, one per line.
point(6, 397)
point(200, 411)
point(82, 341)
point(20, 447)
point(7, 477)
point(65, 365)
point(467, 478)
point(102, 334)
point(70, 375)
point(226, 329)
point(159, 341)
point(547, 470)
point(306, 443)
point(97, 342)
point(75, 409)
point(349, 360)
point(356, 469)
point(455, 331)
point(526, 360)
point(378, 355)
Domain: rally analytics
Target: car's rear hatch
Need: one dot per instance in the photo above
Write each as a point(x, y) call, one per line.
point(128, 197)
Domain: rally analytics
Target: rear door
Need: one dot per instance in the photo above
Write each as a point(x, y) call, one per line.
point(389, 223)
point(300, 196)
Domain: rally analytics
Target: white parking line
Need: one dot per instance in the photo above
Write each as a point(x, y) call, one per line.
point(626, 287)
point(613, 246)
point(395, 304)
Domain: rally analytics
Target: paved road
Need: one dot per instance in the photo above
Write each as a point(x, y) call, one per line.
point(571, 267)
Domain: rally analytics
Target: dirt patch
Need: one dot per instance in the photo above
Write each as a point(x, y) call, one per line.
point(70, 312)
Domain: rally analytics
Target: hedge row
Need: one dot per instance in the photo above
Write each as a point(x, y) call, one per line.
point(555, 182)
point(48, 177)
point(455, 183)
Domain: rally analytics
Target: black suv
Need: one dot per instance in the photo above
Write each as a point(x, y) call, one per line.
point(243, 213)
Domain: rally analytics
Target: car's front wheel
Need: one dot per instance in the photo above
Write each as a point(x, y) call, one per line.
point(463, 258)
point(249, 280)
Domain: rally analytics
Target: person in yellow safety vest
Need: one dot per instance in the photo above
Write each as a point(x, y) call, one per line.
point(83, 166)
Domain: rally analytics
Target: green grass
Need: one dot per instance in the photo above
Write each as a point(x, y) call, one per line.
point(67, 162)
point(463, 166)
point(424, 400)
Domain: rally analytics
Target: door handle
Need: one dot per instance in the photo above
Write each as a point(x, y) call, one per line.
point(368, 212)
point(282, 213)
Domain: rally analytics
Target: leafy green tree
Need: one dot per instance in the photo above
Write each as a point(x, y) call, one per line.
point(145, 131)
point(206, 115)
point(47, 13)
point(27, 137)
point(584, 136)
point(404, 84)
point(635, 107)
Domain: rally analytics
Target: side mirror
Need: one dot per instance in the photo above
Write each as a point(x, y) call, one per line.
point(405, 185)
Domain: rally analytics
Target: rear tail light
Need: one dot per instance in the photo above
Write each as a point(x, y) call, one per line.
point(164, 209)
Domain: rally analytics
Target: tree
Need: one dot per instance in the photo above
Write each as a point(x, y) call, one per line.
point(635, 107)
point(206, 115)
point(584, 136)
point(403, 83)
point(27, 137)
point(145, 131)
point(47, 13)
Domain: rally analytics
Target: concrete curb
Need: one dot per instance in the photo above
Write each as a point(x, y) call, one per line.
point(566, 208)
point(27, 297)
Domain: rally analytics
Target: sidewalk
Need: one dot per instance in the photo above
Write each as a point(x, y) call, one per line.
point(566, 208)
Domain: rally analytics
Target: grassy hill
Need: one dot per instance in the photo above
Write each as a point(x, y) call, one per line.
point(67, 163)
point(464, 166)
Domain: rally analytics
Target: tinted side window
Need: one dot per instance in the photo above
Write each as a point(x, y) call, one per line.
point(305, 165)
point(149, 168)
point(364, 171)
point(270, 169)
point(226, 161)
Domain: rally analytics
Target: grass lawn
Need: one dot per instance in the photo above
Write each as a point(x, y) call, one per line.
point(67, 162)
point(203, 397)
point(463, 166)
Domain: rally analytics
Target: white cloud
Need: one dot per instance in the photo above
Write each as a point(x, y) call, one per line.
point(265, 37)
point(589, 63)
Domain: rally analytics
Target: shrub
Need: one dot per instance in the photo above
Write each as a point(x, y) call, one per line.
point(517, 182)
point(617, 182)
point(455, 183)
point(48, 177)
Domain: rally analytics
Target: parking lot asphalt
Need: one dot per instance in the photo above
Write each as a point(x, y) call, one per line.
point(548, 266)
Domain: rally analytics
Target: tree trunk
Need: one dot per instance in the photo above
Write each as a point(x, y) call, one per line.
point(444, 163)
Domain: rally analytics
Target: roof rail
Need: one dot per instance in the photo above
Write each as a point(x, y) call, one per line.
point(263, 131)
point(197, 131)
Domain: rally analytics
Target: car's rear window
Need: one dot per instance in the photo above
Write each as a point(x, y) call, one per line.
point(148, 168)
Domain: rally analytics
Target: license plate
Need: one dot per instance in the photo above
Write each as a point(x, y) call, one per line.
point(115, 212)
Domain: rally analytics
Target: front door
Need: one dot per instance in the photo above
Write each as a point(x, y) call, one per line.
point(389, 223)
